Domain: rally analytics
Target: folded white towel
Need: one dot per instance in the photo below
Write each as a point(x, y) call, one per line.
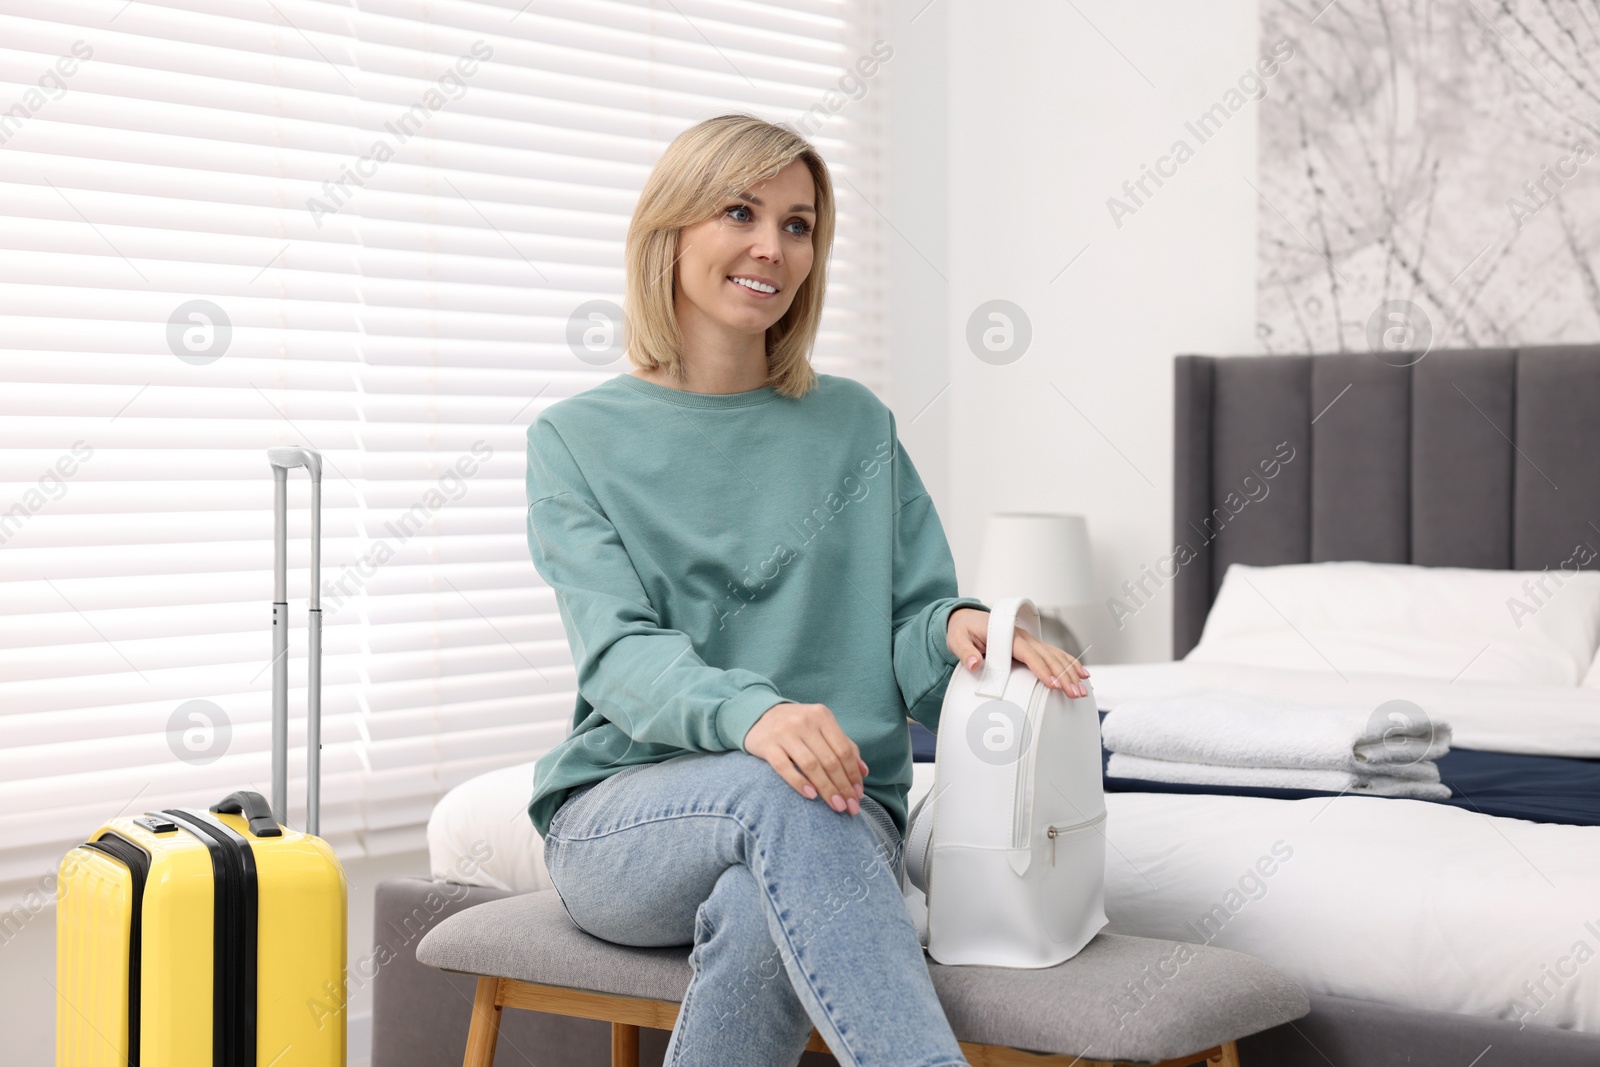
point(1426, 771)
point(1244, 730)
point(1122, 765)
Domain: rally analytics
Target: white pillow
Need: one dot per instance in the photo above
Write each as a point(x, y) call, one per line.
point(1592, 679)
point(1399, 618)
point(480, 833)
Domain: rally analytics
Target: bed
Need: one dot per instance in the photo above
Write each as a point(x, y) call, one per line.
point(1465, 930)
point(1485, 907)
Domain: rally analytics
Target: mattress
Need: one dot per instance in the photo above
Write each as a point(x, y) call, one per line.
point(1411, 903)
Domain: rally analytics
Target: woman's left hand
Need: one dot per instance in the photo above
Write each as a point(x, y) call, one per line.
point(967, 635)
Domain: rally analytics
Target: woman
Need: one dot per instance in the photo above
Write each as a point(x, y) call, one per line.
point(756, 590)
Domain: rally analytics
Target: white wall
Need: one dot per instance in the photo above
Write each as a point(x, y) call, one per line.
point(1046, 121)
point(916, 234)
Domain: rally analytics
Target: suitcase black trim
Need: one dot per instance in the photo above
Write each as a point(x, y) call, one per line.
point(233, 990)
point(131, 855)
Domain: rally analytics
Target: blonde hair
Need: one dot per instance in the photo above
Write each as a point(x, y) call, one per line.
point(701, 169)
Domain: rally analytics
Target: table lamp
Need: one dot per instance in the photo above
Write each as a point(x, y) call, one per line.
point(1044, 557)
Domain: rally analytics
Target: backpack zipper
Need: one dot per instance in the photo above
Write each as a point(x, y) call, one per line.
point(1053, 832)
point(1022, 804)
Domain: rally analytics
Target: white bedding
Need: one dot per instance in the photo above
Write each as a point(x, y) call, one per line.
point(1405, 902)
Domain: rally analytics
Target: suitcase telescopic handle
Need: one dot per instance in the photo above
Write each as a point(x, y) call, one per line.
point(282, 461)
point(253, 806)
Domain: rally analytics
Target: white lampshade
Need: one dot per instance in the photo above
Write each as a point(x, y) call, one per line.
point(1044, 557)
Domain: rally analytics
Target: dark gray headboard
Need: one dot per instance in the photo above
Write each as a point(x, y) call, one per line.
point(1468, 458)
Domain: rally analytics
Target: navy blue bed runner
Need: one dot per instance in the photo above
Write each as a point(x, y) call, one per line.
point(1537, 788)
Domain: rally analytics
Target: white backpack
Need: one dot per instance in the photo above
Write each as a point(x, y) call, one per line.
point(1008, 847)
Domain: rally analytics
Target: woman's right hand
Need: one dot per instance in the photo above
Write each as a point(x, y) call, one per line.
point(808, 737)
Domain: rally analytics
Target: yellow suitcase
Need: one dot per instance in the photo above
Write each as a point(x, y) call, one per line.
point(188, 938)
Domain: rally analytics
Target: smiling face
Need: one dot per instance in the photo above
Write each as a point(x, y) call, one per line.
point(763, 236)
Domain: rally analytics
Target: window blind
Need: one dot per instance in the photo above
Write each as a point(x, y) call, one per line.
point(362, 229)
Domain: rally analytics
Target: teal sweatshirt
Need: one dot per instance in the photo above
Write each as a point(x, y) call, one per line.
point(712, 555)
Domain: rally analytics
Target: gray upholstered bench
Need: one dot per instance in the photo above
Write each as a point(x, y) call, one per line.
point(1121, 1000)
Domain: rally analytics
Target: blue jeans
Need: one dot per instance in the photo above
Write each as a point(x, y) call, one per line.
point(794, 910)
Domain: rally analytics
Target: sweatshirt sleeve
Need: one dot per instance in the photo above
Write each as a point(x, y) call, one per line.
point(642, 676)
point(924, 595)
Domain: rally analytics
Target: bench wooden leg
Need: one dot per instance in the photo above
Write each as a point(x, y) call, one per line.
point(485, 1031)
point(624, 1045)
point(1226, 1056)
point(1223, 1055)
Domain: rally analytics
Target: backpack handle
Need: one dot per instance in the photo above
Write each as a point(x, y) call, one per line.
point(1006, 615)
